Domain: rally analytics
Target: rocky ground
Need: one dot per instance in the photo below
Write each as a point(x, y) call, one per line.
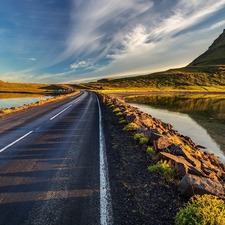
point(139, 196)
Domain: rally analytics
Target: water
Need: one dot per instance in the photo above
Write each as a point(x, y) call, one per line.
point(8, 100)
point(200, 117)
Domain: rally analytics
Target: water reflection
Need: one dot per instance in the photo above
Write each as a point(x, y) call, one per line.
point(201, 117)
point(8, 100)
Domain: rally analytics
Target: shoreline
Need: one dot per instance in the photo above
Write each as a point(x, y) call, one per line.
point(194, 167)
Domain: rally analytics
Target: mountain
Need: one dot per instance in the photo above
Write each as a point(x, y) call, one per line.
point(215, 55)
point(205, 73)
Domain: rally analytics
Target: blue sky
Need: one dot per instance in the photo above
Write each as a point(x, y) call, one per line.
point(73, 41)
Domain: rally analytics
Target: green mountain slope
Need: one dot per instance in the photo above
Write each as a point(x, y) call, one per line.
point(215, 55)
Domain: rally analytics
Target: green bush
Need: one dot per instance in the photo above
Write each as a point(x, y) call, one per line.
point(151, 150)
point(138, 136)
point(109, 103)
point(167, 168)
point(205, 209)
point(121, 118)
point(116, 110)
point(143, 140)
point(130, 126)
point(111, 106)
point(119, 114)
point(122, 121)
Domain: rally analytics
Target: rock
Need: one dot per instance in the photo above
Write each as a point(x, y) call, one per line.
point(163, 142)
point(144, 147)
point(216, 162)
point(182, 166)
point(2, 112)
point(201, 146)
point(191, 185)
point(176, 149)
point(155, 135)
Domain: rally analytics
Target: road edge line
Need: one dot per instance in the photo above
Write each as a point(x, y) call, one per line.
point(105, 194)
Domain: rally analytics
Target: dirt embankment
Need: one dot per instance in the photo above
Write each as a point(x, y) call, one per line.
point(200, 172)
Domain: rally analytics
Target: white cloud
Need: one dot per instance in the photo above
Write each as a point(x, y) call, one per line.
point(82, 64)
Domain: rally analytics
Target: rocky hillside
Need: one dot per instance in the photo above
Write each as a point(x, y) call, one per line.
point(215, 55)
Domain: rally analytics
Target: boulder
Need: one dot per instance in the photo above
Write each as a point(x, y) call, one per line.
point(155, 135)
point(163, 142)
point(191, 185)
point(182, 166)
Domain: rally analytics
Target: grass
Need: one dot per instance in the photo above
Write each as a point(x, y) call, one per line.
point(130, 126)
point(138, 136)
point(122, 121)
point(27, 87)
point(143, 140)
point(119, 114)
point(205, 209)
point(116, 110)
point(165, 167)
point(204, 78)
point(151, 150)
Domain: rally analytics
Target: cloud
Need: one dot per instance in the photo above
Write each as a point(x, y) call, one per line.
point(82, 64)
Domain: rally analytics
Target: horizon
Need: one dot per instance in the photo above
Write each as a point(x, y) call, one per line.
point(77, 42)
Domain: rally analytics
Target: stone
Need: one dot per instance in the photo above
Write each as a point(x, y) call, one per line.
point(155, 135)
point(163, 142)
point(2, 112)
point(201, 146)
point(182, 166)
point(191, 185)
point(176, 149)
point(144, 147)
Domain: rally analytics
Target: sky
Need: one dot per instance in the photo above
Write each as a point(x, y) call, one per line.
point(77, 41)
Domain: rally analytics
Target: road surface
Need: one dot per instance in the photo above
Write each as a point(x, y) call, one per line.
point(53, 168)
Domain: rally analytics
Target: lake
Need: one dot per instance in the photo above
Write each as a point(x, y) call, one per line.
point(8, 100)
point(201, 117)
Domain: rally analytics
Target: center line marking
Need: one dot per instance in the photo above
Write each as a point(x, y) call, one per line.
point(61, 112)
point(15, 141)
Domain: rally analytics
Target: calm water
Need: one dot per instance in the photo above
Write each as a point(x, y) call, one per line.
point(15, 100)
point(200, 117)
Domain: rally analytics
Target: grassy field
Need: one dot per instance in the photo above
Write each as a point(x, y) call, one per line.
point(26, 87)
point(207, 78)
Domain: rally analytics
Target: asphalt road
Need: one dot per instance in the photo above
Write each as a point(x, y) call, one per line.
point(53, 168)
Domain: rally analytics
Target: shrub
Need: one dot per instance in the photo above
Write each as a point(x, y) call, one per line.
point(109, 103)
point(121, 118)
point(205, 209)
point(116, 110)
point(151, 150)
point(138, 136)
point(119, 114)
point(167, 168)
point(130, 126)
point(122, 121)
point(111, 106)
point(143, 140)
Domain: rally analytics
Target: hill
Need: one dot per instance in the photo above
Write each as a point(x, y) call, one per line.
point(26, 87)
point(205, 73)
point(215, 55)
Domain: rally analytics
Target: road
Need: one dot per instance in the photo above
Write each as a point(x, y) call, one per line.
point(53, 167)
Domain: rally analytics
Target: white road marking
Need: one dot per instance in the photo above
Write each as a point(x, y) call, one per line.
point(15, 141)
point(60, 112)
point(105, 195)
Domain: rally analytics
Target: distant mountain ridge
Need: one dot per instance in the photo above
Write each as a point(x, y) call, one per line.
point(215, 55)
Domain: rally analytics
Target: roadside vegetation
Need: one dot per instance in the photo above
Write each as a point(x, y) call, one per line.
point(205, 209)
